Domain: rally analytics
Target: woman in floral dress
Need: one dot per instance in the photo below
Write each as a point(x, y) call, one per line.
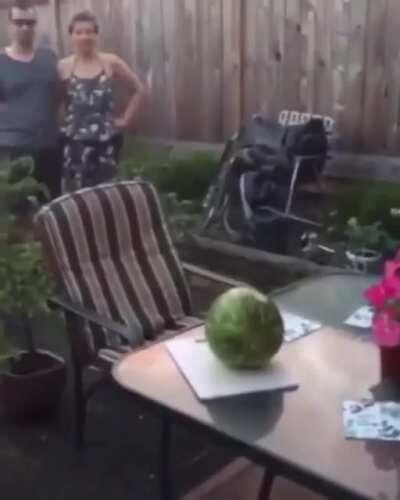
point(92, 133)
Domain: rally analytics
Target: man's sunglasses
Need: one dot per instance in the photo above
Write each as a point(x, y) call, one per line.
point(20, 23)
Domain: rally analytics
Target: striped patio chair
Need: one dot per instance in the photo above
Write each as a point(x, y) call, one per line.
point(121, 283)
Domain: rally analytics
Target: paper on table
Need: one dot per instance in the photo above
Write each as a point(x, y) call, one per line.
point(369, 420)
point(296, 326)
point(211, 379)
point(362, 318)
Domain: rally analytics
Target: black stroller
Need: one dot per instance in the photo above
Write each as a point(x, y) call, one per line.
point(261, 170)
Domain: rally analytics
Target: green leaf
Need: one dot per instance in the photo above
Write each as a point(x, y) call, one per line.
point(20, 169)
point(25, 286)
point(7, 351)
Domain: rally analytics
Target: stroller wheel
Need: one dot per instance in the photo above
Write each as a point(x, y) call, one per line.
point(235, 224)
point(208, 220)
point(210, 205)
point(215, 201)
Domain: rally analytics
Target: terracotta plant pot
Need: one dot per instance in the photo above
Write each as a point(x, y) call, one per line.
point(33, 386)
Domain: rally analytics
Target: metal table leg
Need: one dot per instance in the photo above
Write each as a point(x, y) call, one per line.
point(266, 485)
point(165, 457)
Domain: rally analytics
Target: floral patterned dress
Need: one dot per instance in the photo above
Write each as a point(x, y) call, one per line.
point(91, 141)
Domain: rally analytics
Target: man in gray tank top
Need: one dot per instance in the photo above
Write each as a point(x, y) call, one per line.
point(28, 100)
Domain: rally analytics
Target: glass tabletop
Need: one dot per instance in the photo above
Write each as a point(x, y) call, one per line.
point(301, 430)
point(329, 299)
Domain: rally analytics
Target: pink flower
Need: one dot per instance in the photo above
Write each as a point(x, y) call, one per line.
point(386, 330)
point(388, 289)
point(385, 297)
point(377, 295)
point(391, 280)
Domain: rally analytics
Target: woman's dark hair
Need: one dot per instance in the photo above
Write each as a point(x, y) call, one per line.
point(83, 17)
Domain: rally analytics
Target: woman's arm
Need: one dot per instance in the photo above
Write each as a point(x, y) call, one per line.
point(129, 79)
point(62, 69)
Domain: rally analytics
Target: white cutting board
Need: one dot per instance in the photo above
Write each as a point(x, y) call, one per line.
point(211, 379)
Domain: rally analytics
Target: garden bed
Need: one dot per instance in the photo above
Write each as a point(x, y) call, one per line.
point(263, 270)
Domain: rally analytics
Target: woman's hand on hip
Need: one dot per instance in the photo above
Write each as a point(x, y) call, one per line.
point(121, 123)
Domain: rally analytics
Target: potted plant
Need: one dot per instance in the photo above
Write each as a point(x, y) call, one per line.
point(21, 196)
point(366, 244)
point(31, 380)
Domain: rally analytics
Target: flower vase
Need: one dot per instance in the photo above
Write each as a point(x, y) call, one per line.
point(387, 335)
point(390, 362)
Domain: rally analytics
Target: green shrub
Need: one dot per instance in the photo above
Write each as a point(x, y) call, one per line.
point(189, 175)
point(20, 192)
point(368, 202)
point(381, 202)
point(25, 288)
point(182, 216)
point(368, 236)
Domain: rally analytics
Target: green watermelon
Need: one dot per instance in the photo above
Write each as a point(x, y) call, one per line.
point(244, 328)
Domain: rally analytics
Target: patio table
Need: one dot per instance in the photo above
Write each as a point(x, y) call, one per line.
point(299, 434)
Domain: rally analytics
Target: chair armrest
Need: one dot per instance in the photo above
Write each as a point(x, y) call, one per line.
point(210, 275)
point(93, 317)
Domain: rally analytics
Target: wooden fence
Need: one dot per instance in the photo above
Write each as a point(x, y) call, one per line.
point(211, 63)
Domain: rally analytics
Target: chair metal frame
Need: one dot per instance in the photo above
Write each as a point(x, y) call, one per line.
point(77, 317)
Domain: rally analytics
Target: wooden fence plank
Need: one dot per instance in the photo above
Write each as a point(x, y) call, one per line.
point(292, 56)
point(232, 66)
point(374, 122)
point(323, 99)
point(250, 58)
point(209, 16)
point(153, 32)
point(357, 13)
point(169, 35)
point(277, 47)
point(188, 71)
point(309, 56)
point(392, 62)
point(340, 42)
point(264, 85)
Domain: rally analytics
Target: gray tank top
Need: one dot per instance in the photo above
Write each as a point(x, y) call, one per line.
point(28, 101)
